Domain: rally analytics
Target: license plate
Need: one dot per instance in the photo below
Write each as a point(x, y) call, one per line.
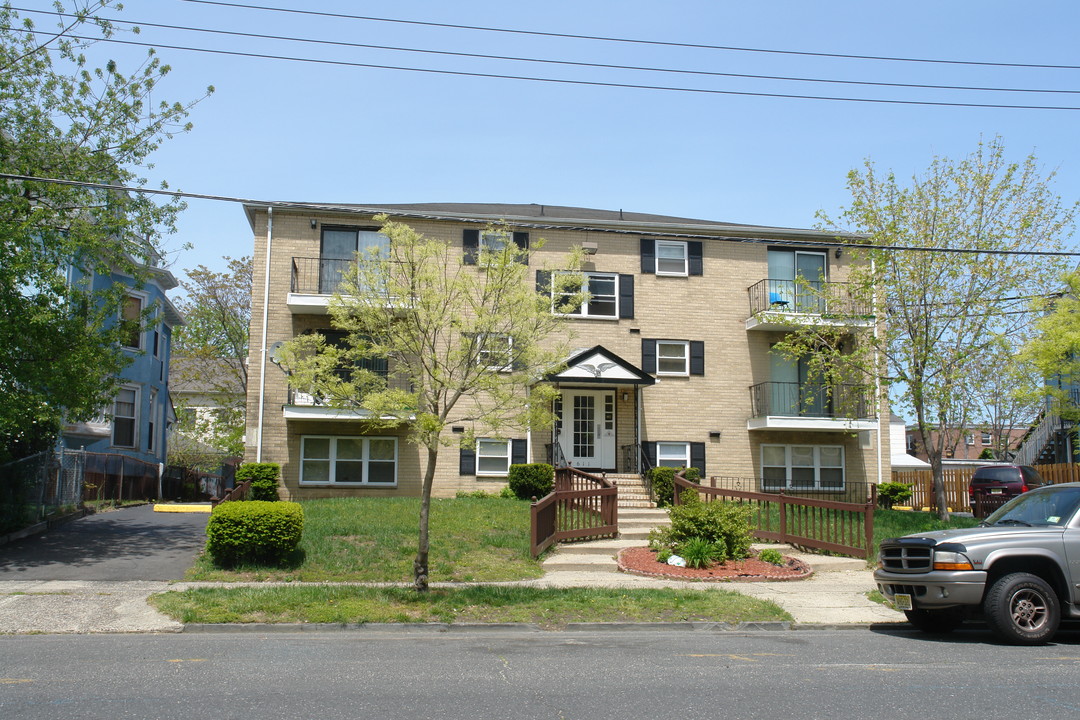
point(995, 491)
point(902, 601)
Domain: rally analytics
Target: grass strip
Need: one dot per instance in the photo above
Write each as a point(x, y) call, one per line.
point(546, 607)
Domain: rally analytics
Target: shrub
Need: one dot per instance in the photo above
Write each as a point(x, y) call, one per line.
point(663, 554)
point(771, 556)
point(507, 493)
point(891, 493)
point(700, 553)
point(662, 480)
point(263, 477)
point(724, 524)
point(257, 531)
point(692, 474)
point(529, 480)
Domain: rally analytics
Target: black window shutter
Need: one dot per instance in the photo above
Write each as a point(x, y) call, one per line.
point(650, 452)
point(648, 355)
point(518, 450)
point(693, 252)
point(648, 255)
point(521, 239)
point(470, 240)
point(467, 462)
point(697, 457)
point(697, 357)
point(626, 296)
point(543, 282)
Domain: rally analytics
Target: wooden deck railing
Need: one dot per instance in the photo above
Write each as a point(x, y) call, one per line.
point(581, 506)
point(841, 527)
point(237, 493)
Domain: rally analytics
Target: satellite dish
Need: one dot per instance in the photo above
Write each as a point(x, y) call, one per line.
point(275, 352)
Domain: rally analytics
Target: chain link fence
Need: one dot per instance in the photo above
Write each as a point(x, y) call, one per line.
point(35, 487)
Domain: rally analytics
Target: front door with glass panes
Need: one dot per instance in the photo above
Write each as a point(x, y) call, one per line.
point(585, 428)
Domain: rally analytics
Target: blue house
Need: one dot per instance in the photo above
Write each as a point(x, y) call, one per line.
point(134, 423)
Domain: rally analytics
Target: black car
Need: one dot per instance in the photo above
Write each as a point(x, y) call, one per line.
point(1004, 481)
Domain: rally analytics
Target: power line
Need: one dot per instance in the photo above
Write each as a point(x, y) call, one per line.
point(559, 81)
point(358, 210)
point(637, 41)
point(605, 66)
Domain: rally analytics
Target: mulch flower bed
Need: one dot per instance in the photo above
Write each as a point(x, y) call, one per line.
point(642, 561)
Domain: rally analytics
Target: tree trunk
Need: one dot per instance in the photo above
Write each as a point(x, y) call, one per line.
point(420, 564)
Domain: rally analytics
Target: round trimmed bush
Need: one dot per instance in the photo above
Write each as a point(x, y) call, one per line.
point(257, 531)
point(531, 480)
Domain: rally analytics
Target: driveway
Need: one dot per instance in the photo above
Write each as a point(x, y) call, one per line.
point(129, 544)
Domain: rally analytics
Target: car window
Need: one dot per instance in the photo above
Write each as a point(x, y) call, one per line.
point(1055, 507)
point(995, 474)
point(1032, 476)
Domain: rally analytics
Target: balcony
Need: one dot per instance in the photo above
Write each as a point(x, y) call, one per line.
point(315, 279)
point(306, 406)
point(811, 407)
point(790, 304)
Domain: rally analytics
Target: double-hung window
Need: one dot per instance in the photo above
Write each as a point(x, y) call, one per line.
point(496, 352)
point(673, 454)
point(802, 467)
point(672, 357)
point(671, 258)
point(125, 420)
point(341, 460)
point(492, 457)
point(603, 298)
point(986, 439)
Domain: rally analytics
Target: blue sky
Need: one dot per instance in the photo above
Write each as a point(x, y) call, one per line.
point(278, 130)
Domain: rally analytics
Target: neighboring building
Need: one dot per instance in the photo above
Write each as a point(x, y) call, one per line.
point(208, 397)
point(134, 424)
point(673, 367)
point(966, 444)
point(901, 460)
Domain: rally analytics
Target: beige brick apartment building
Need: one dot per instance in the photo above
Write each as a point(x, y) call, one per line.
point(673, 366)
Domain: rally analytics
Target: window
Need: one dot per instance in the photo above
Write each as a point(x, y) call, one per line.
point(340, 247)
point(125, 417)
point(339, 460)
point(673, 454)
point(969, 439)
point(672, 357)
point(797, 280)
point(802, 467)
point(494, 240)
point(131, 322)
point(986, 439)
point(492, 457)
point(603, 299)
point(496, 352)
point(671, 258)
point(151, 430)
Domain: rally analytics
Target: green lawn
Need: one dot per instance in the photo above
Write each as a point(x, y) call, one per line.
point(374, 540)
point(895, 523)
point(547, 607)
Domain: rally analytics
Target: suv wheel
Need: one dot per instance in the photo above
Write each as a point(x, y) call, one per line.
point(937, 622)
point(1022, 609)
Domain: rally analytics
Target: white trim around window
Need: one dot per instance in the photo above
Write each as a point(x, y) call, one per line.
point(802, 467)
point(131, 310)
point(496, 240)
point(496, 352)
point(673, 454)
point(125, 417)
point(672, 357)
point(603, 302)
point(672, 258)
point(492, 457)
point(349, 461)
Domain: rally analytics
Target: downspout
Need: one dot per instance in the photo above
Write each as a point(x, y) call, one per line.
point(262, 345)
point(877, 379)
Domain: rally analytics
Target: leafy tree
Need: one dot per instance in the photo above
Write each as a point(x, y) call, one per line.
point(950, 283)
point(462, 345)
point(59, 349)
point(1053, 352)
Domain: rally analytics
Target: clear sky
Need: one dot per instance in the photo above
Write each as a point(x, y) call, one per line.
point(287, 130)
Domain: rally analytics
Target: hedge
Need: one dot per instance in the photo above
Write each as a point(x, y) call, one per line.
point(263, 477)
point(257, 531)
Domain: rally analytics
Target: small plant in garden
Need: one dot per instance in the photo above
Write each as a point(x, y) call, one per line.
point(264, 480)
point(700, 553)
point(663, 554)
point(773, 557)
point(725, 524)
point(529, 480)
point(507, 494)
point(891, 493)
point(662, 481)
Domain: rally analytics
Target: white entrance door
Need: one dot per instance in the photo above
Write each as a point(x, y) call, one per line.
point(587, 428)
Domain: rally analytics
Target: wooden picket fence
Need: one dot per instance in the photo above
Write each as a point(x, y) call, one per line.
point(957, 480)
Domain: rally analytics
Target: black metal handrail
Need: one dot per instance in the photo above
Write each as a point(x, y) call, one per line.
point(789, 399)
point(828, 299)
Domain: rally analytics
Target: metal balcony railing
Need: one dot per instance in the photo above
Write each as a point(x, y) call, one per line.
point(307, 399)
point(827, 299)
point(788, 399)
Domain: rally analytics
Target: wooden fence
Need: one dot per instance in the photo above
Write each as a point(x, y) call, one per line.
point(581, 506)
point(841, 527)
point(957, 479)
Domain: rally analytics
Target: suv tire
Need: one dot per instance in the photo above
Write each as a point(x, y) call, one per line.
point(1022, 609)
point(937, 622)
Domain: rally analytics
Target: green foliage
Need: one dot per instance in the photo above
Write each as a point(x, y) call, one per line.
point(263, 477)
point(892, 493)
point(479, 494)
point(507, 493)
point(663, 554)
point(700, 553)
point(255, 532)
point(771, 556)
point(60, 348)
point(531, 480)
point(662, 481)
point(692, 474)
point(987, 454)
point(724, 524)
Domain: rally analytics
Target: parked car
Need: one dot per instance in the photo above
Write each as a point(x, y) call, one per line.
point(1006, 481)
point(1018, 569)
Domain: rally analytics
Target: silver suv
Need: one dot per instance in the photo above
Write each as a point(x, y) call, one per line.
point(1019, 568)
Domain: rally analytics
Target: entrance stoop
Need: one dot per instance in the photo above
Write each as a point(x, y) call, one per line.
point(599, 555)
point(632, 492)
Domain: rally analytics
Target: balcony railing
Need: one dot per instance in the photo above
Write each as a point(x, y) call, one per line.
point(306, 399)
point(788, 399)
point(827, 299)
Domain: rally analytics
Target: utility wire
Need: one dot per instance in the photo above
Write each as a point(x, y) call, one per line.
point(367, 210)
point(605, 66)
point(559, 81)
point(636, 41)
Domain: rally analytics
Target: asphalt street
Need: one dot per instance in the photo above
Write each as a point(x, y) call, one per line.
point(524, 674)
point(128, 544)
